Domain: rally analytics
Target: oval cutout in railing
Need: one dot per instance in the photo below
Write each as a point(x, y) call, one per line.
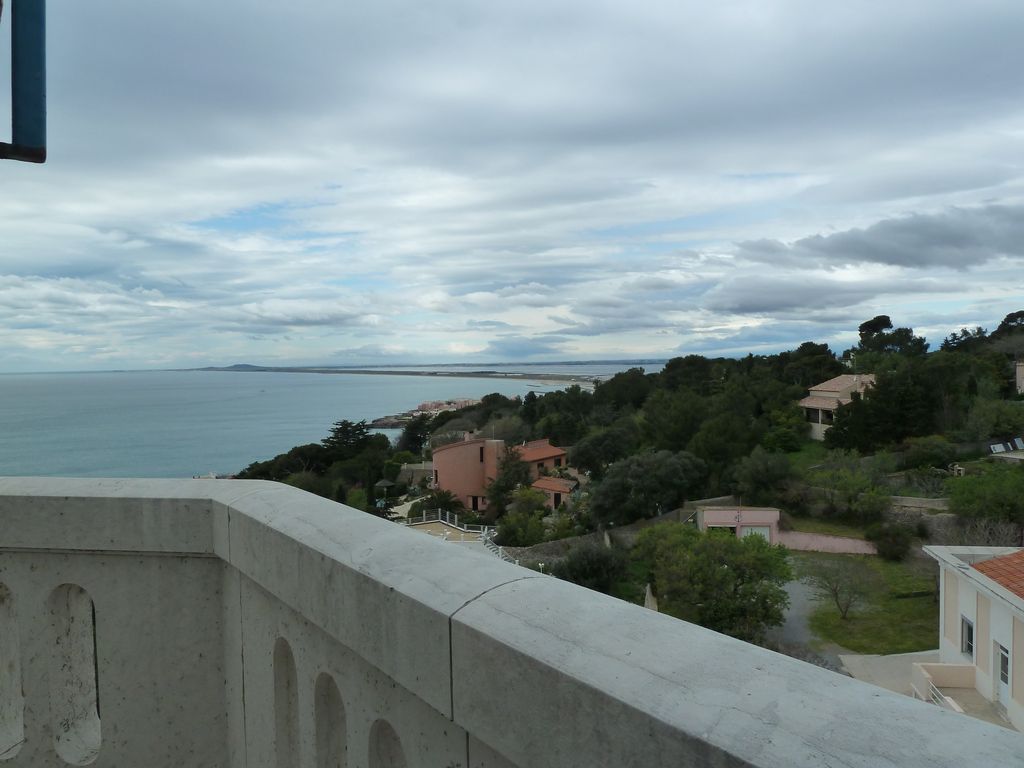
point(286, 706)
point(74, 687)
point(331, 735)
point(385, 747)
point(12, 702)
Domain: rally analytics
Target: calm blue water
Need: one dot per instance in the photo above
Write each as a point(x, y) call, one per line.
point(184, 423)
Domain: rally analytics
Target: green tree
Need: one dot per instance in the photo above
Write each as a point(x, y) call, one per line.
point(346, 439)
point(513, 472)
point(966, 340)
point(902, 403)
point(597, 568)
point(1011, 325)
point(846, 478)
point(722, 441)
point(313, 483)
point(997, 494)
point(787, 430)
point(892, 540)
point(645, 485)
point(522, 525)
point(597, 450)
point(730, 585)
point(511, 429)
point(996, 419)
point(519, 529)
point(763, 477)
point(928, 451)
point(312, 458)
point(810, 364)
point(528, 411)
point(627, 388)
point(692, 372)
point(878, 335)
point(357, 499)
point(672, 418)
point(414, 434)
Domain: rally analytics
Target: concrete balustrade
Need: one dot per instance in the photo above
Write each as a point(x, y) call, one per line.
point(250, 625)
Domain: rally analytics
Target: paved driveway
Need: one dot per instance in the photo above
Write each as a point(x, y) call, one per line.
point(820, 542)
point(795, 637)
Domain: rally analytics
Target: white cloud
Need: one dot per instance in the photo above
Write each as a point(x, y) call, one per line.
point(521, 179)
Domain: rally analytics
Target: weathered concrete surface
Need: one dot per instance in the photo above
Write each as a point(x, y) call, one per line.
point(891, 671)
point(439, 655)
point(160, 663)
point(645, 689)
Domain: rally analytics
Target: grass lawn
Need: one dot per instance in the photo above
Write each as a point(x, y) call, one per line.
point(811, 453)
point(817, 525)
point(885, 623)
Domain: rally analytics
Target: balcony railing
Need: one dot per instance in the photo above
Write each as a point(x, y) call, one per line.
point(242, 624)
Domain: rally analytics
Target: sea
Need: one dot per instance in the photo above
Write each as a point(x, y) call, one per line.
point(173, 424)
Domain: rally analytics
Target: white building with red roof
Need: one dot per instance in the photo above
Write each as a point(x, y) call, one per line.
point(981, 630)
point(823, 400)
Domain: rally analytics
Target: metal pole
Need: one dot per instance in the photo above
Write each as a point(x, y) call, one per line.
point(28, 82)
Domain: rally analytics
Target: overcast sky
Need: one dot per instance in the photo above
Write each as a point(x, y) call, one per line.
point(373, 182)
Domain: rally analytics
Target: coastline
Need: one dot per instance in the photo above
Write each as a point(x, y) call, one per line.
point(399, 420)
point(587, 381)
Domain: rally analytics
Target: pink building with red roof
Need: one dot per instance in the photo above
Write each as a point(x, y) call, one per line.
point(981, 631)
point(542, 456)
point(467, 467)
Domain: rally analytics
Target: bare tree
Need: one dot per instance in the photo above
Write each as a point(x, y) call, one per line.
point(985, 532)
point(841, 579)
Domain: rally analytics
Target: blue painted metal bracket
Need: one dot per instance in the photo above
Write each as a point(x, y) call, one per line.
point(28, 82)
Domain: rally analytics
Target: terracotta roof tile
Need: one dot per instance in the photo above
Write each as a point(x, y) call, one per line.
point(1007, 571)
point(538, 450)
point(846, 381)
point(556, 484)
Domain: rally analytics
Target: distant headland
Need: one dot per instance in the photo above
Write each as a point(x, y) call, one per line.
point(439, 371)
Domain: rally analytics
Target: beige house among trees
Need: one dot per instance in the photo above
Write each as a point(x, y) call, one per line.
point(824, 399)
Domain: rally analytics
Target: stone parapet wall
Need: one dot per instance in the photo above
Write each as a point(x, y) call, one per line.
point(245, 624)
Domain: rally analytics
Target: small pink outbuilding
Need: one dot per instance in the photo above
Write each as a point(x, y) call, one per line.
point(742, 521)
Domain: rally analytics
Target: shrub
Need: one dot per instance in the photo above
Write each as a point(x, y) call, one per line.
point(892, 540)
point(592, 567)
point(869, 507)
point(931, 451)
point(520, 529)
point(356, 498)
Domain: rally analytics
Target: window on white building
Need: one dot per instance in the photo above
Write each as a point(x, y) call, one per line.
point(966, 637)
